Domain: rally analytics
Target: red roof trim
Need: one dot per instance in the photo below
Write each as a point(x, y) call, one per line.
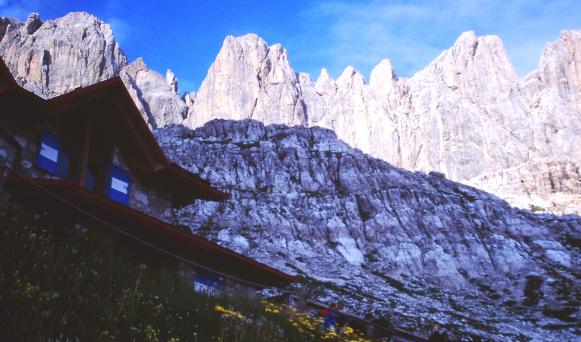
point(182, 173)
point(94, 204)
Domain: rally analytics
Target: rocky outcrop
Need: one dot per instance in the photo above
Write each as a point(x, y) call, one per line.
point(155, 96)
point(467, 117)
point(552, 95)
point(466, 114)
point(5, 23)
point(546, 185)
point(249, 79)
point(57, 56)
point(305, 202)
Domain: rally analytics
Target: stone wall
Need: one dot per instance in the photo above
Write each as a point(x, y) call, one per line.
point(8, 153)
point(226, 287)
point(146, 197)
point(28, 140)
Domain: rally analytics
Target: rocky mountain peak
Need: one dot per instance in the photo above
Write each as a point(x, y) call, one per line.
point(251, 47)
point(249, 79)
point(32, 24)
point(552, 94)
point(467, 38)
point(5, 22)
point(172, 81)
point(350, 78)
point(473, 64)
point(45, 64)
point(560, 67)
point(382, 76)
point(78, 50)
point(431, 121)
point(155, 95)
point(276, 66)
point(136, 66)
point(325, 84)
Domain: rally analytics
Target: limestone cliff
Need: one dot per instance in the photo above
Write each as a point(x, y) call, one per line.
point(412, 246)
point(249, 79)
point(57, 56)
point(156, 97)
point(465, 114)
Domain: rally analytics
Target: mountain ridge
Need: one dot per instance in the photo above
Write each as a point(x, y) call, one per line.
point(382, 239)
point(467, 114)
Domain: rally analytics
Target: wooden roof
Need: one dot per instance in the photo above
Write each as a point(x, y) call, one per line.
point(13, 97)
point(125, 120)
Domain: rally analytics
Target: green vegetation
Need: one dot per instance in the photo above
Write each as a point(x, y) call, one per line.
point(70, 282)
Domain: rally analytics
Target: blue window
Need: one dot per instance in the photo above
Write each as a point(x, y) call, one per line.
point(206, 282)
point(119, 181)
point(50, 157)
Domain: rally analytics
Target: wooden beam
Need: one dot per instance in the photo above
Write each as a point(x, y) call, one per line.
point(150, 162)
point(86, 151)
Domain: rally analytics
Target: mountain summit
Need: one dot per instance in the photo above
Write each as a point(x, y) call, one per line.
point(467, 114)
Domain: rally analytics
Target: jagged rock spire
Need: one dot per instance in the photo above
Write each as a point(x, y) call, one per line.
point(465, 114)
point(249, 79)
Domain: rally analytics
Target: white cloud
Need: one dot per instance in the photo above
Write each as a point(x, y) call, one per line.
point(412, 34)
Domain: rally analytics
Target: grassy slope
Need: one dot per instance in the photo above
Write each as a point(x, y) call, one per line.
point(71, 282)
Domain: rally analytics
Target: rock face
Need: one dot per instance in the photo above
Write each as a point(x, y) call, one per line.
point(305, 202)
point(552, 94)
point(466, 114)
point(155, 96)
point(57, 56)
point(550, 185)
point(249, 79)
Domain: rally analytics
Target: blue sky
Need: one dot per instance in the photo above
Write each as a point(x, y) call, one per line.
point(185, 36)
